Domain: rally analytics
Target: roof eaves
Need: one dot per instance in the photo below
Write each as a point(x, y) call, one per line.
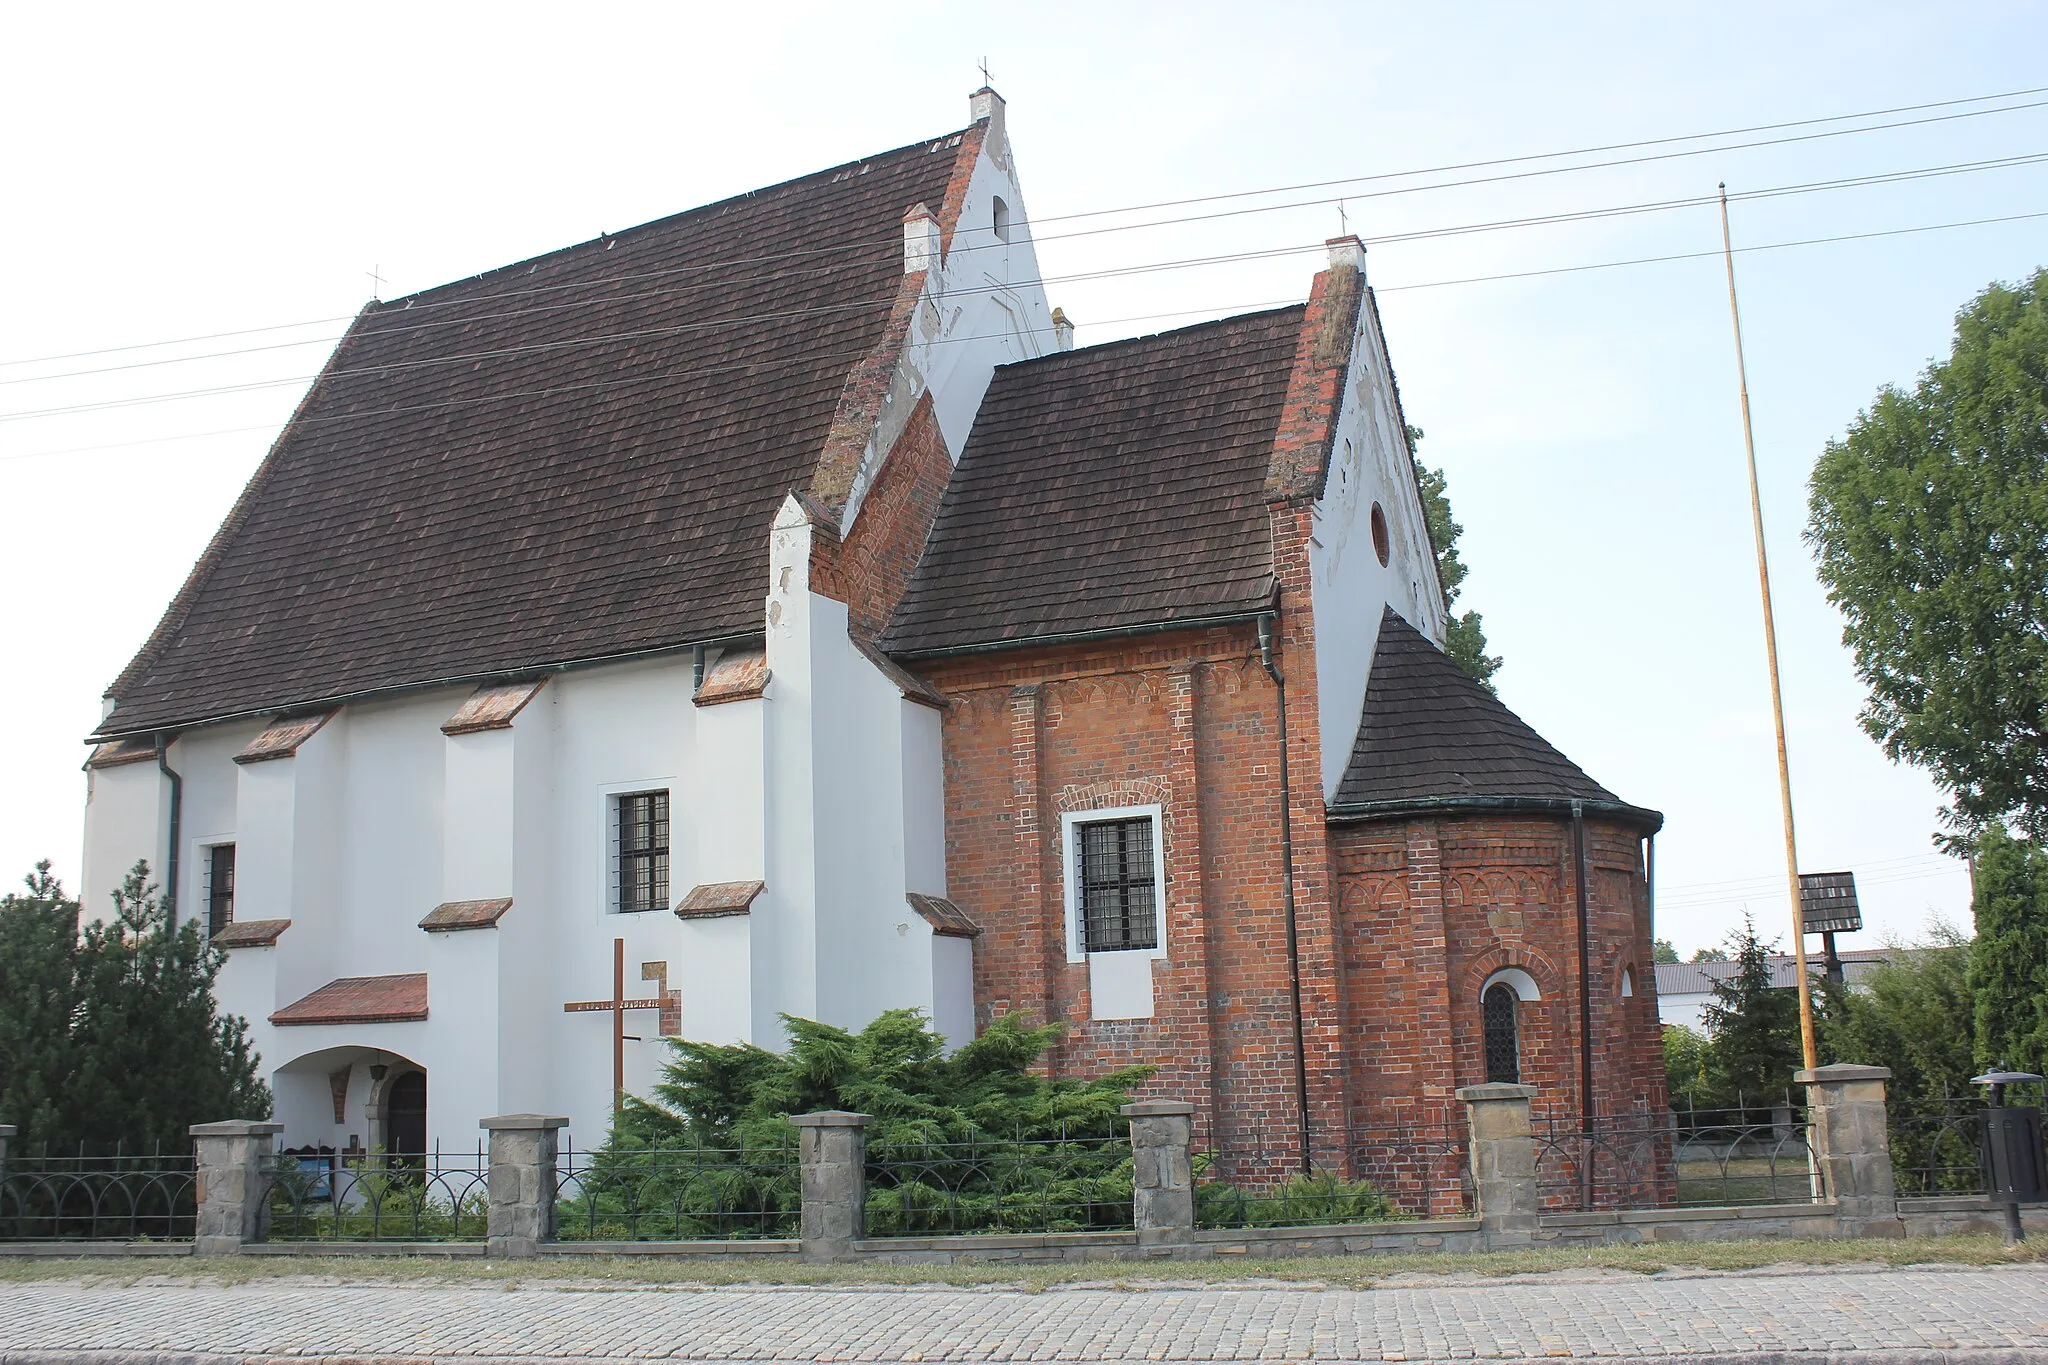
point(1649, 821)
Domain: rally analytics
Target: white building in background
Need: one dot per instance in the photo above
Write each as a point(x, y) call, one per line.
point(1686, 989)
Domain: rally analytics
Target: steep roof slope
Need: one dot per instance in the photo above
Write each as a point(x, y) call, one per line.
point(571, 458)
point(1430, 733)
point(1115, 486)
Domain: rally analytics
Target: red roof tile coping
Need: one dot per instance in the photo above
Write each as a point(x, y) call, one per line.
point(361, 1000)
point(283, 737)
point(1322, 356)
point(121, 751)
point(492, 707)
point(452, 916)
point(946, 919)
point(719, 898)
point(739, 675)
point(250, 933)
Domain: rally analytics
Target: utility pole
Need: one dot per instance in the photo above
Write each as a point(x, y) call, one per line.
point(1807, 1049)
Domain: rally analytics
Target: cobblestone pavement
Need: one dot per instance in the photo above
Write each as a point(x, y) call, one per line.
point(1911, 1315)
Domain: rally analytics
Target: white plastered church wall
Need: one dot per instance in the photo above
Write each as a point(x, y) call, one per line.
point(982, 307)
point(856, 802)
point(1370, 465)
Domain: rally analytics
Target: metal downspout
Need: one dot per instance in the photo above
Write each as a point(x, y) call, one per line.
point(1585, 1001)
point(1266, 623)
point(163, 764)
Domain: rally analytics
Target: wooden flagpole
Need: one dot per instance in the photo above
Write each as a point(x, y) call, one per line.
point(1763, 572)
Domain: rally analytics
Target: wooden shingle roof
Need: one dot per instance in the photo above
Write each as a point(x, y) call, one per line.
point(1432, 736)
point(572, 458)
point(1111, 487)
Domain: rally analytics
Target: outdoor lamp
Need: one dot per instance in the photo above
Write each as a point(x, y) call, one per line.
point(2013, 1157)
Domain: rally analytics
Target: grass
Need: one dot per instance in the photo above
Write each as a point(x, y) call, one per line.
point(1334, 1272)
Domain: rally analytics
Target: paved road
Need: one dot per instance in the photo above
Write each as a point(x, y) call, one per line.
point(1996, 1315)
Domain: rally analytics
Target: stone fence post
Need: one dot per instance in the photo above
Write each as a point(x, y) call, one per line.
point(1503, 1158)
point(832, 1148)
point(520, 1180)
point(1163, 1173)
point(1852, 1148)
point(233, 1186)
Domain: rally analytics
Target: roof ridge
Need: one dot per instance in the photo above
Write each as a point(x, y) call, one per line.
point(929, 143)
point(1052, 357)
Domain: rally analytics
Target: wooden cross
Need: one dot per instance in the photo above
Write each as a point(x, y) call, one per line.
point(984, 72)
point(376, 275)
point(668, 1002)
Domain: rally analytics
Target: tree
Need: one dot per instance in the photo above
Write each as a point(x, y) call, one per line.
point(1929, 520)
point(38, 938)
point(111, 1035)
point(2008, 969)
point(1708, 955)
point(1685, 1062)
point(1662, 951)
point(1913, 1014)
point(1464, 640)
point(1755, 1027)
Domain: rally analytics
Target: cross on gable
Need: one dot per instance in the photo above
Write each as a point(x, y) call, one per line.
point(669, 1004)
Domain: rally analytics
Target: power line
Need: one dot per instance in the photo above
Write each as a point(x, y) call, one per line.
point(1224, 197)
point(1224, 310)
point(1889, 177)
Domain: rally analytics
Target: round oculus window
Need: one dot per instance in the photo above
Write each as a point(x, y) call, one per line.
point(1379, 534)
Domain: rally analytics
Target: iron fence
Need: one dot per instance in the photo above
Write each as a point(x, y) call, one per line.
point(1396, 1171)
point(1698, 1158)
point(126, 1197)
point(677, 1194)
point(1077, 1181)
point(377, 1197)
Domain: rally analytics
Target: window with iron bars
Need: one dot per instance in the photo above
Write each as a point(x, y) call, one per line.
point(1497, 1019)
point(1117, 881)
point(643, 852)
point(220, 888)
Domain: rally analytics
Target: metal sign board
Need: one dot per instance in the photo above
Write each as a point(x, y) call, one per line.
point(1827, 902)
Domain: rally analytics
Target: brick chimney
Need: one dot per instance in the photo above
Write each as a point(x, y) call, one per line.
point(1062, 330)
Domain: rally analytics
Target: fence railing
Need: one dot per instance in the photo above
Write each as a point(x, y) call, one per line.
point(1938, 1146)
point(678, 1194)
point(396, 1197)
point(117, 1197)
point(1700, 1158)
point(1069, 1182)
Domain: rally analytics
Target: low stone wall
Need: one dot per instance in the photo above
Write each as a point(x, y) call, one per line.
point(1628, 1226)
point(1949, 1217)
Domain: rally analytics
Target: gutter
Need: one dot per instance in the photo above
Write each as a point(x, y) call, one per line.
point(163, 765)
point(1266, 622)
point(1649, 821)
point(1237, 618)
point(458, 680)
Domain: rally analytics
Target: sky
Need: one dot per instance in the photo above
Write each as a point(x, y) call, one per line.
point(203, 171)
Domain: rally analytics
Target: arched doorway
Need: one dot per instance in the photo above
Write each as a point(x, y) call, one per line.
point(405, 1119)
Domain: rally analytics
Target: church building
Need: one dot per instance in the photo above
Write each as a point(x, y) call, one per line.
point(768, 611)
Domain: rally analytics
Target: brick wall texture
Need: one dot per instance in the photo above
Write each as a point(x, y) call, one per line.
point(1398, 922)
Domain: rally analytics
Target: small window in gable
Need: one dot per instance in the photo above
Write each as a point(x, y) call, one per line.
point(1497, 1020)
point(1116, 881)
point(1002, 220)
point(1381, 545)
point(220, 888)
point(640, 840)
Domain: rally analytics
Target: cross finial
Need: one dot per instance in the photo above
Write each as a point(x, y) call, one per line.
point(984, 72)
point(376, 281)
point(1343, 221)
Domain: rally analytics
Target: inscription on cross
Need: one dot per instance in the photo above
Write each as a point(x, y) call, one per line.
point(668, 1004)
